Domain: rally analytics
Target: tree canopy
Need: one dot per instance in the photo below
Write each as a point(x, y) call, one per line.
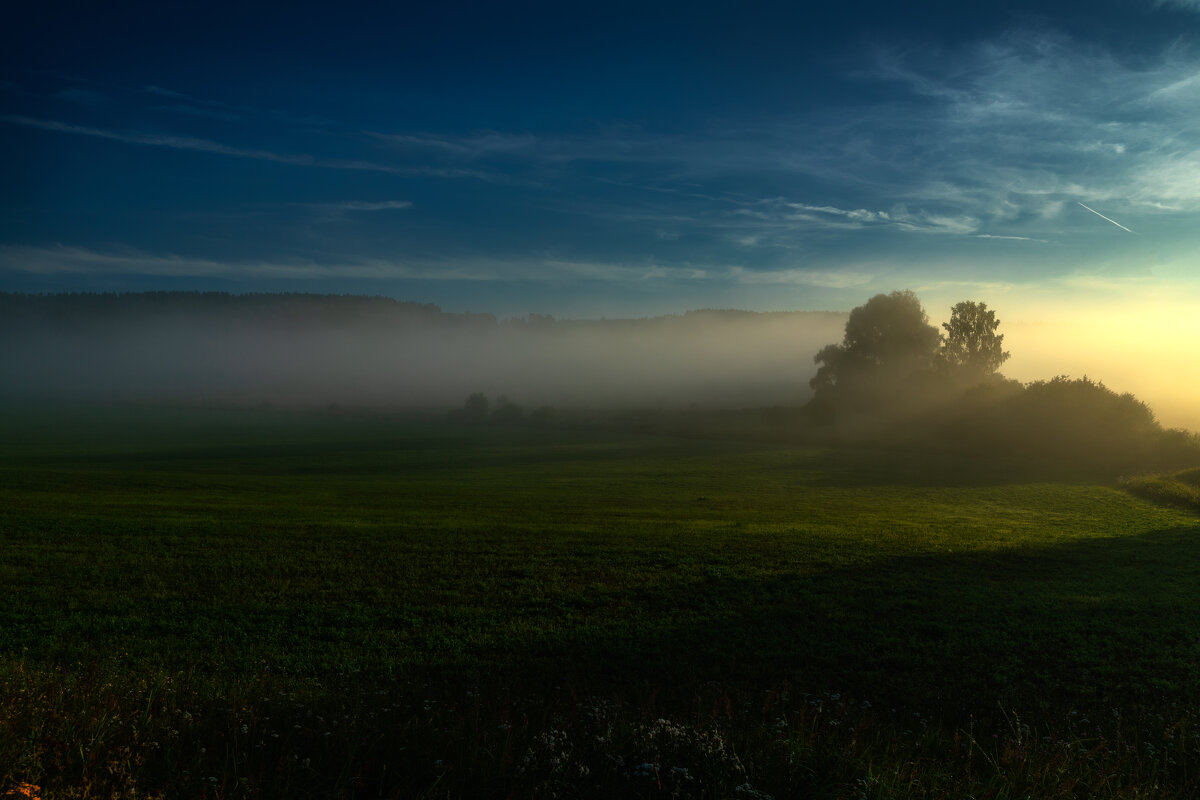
point(971, 345)
point(887, 340)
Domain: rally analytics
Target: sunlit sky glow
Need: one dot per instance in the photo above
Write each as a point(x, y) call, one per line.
point(610, 159)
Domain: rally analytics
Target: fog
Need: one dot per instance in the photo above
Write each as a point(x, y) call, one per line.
point(307, 351)
point(356, 352)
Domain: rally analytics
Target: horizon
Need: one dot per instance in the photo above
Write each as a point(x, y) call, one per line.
point(778, 359)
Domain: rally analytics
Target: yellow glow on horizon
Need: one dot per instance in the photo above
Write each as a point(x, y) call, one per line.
point(1144, 344)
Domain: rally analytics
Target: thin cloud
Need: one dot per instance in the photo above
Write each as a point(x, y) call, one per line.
point(208, 146)
point(475, 146)
point(825, 279)
point(993, 137)
point(990, 140)
point(188, 104)
point(196, 111)
point(363, 205)
point(73, 260)
point(81, 261)
point(167, 92)
point(1010, 238)
point(1185, 5)
point(159, 140)
point(779, 213)
point(1019, 116)
point(973, 286)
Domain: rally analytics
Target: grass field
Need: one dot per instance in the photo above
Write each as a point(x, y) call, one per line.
point(222, 603)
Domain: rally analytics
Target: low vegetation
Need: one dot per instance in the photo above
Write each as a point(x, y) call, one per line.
point(1179, 488)
point(260, 604)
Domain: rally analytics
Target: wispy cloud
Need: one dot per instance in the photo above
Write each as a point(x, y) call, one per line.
point(986, 288)
point(780, 214)
point(197, 111)
point(1010, 238)
point(194, 106)
point(1025, 116)
point(1186, 5)
point(208, 146)
point(158, 140)
point(826, 279)
point(158, 90)
point(73, 260)
point(362, 205)
point(476, 145)
point(986, 141)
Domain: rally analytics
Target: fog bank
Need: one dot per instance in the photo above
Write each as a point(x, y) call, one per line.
point(316, 350)
point(311, 350)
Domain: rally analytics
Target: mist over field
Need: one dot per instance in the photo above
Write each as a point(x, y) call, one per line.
point(371, 352)
point(312, 350)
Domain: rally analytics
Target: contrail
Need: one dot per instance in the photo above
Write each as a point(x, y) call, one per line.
point(1101, 216)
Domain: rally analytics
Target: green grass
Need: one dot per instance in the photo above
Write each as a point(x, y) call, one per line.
point(496, 599)
point(1175, 489)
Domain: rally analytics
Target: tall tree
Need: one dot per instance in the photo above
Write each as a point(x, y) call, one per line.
point(971, 345)
point(886, 341)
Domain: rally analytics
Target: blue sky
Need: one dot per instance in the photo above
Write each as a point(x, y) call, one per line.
point(610, 159)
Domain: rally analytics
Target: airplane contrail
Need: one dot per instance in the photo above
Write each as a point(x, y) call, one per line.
point(1101, 216)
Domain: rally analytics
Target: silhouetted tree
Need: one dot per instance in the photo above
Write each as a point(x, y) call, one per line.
point(886, 342)
point(972, 348)
point(476, 407)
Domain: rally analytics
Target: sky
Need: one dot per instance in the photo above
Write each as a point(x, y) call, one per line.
point(618, 159)
point(605, 159)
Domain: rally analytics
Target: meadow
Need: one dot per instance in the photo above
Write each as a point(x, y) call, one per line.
point(268, 603)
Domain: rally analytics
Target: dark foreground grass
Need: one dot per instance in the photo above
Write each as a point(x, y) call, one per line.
point(272, 604)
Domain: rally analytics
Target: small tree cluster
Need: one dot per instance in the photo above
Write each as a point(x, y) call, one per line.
point(889, 347)
point(896, 378)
